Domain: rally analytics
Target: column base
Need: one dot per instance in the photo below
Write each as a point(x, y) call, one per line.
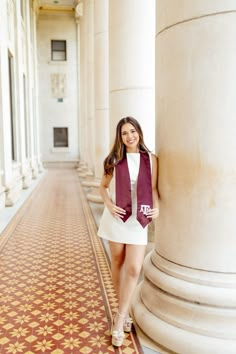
point(90, 183)
point(40, 167)
point(13, 192)
point(27, 179)
point(184, 310)
point(2, 198)
point(86, 174)
point(2, 194)
point(34, 169)
point(94, 196)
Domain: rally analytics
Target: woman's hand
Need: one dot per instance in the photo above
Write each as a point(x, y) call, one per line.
point(153, 213)
point(116, 211)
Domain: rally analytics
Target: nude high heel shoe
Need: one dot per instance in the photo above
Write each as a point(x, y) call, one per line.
point(117, 334)
point(127, 324)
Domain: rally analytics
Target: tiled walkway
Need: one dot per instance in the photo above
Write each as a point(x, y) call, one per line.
point(56, 293)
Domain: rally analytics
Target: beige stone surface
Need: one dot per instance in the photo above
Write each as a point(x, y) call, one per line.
point(186, 302)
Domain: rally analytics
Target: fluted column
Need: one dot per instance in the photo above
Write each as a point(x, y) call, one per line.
point(187, 301)
point(101, 93)
point(131, 63)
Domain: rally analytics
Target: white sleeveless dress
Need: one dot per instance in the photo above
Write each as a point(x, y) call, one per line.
point(114, 229)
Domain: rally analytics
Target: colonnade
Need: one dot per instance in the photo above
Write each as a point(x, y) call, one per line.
point(187, 300)
point(20, 159)
point(123, 73)
point(178, 81)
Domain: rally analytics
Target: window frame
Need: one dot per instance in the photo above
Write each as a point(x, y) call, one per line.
point(53, 41)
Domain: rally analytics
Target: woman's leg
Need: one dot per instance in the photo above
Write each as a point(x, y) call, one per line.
point(134, 256)
point(117, 260)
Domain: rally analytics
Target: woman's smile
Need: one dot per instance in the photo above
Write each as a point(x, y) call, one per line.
point(130, 137)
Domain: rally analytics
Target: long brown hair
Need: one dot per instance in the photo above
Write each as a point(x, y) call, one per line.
point(118, 150)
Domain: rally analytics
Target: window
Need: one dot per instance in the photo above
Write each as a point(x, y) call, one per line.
point(11, 99)
point(25, 118)
point(60, 137)
point(58, 50)
point(22, 8)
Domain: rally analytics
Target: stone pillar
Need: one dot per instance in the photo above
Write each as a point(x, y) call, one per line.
point(78, 17)
point(82, 82)
point(37, 150)
point(131, 64)
point(101, 93)
point(87, 146)
point(22, 99)
point(101, 85)
point(21, 90)
point(90, 87)
point(187, 301)
point(30, 63)
point(5, 129)
point(10, 170)
point(81, 13)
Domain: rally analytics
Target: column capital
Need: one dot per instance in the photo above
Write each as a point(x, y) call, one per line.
point(78, 11)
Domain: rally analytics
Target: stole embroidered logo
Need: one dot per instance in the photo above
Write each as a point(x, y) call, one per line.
point(144, 209)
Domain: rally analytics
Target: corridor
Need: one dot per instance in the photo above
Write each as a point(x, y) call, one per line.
point(56, 293)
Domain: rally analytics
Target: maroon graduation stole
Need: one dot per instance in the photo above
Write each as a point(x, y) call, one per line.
point(144, 189)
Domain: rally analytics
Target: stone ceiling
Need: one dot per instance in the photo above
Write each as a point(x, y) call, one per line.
point(56, 5)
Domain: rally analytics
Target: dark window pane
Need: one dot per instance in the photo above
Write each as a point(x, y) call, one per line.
point(59, 45)
point(58, 49)
point(60, 137)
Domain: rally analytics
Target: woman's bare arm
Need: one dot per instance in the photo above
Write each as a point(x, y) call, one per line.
point(114, 209)
point(154, 213)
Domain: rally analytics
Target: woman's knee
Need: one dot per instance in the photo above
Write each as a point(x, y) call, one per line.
point(133, 270)
point(117, 254)
point(117, 260)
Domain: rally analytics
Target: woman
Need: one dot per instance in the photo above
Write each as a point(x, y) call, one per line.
point(130, 173)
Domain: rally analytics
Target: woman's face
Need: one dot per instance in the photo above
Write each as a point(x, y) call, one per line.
point(130, 137)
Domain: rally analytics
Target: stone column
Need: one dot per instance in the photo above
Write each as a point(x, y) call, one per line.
point(78, 17)
point(37, 150)
point(187, 301)
point(87, 89)
point(22, 98)
point(81, 13)
point(30, 63)
point(90, 87)
point(101, 84)
point(101, 93)
point(11, 177)
point(131, 64)
point(82, 67)
point(5, 129)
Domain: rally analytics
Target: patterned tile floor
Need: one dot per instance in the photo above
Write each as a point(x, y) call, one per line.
point(56, 293)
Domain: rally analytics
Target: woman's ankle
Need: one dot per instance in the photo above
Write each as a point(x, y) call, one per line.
point(118, 320)
point(121, 314)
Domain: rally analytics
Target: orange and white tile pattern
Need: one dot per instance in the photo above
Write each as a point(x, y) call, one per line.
point(56, 293)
